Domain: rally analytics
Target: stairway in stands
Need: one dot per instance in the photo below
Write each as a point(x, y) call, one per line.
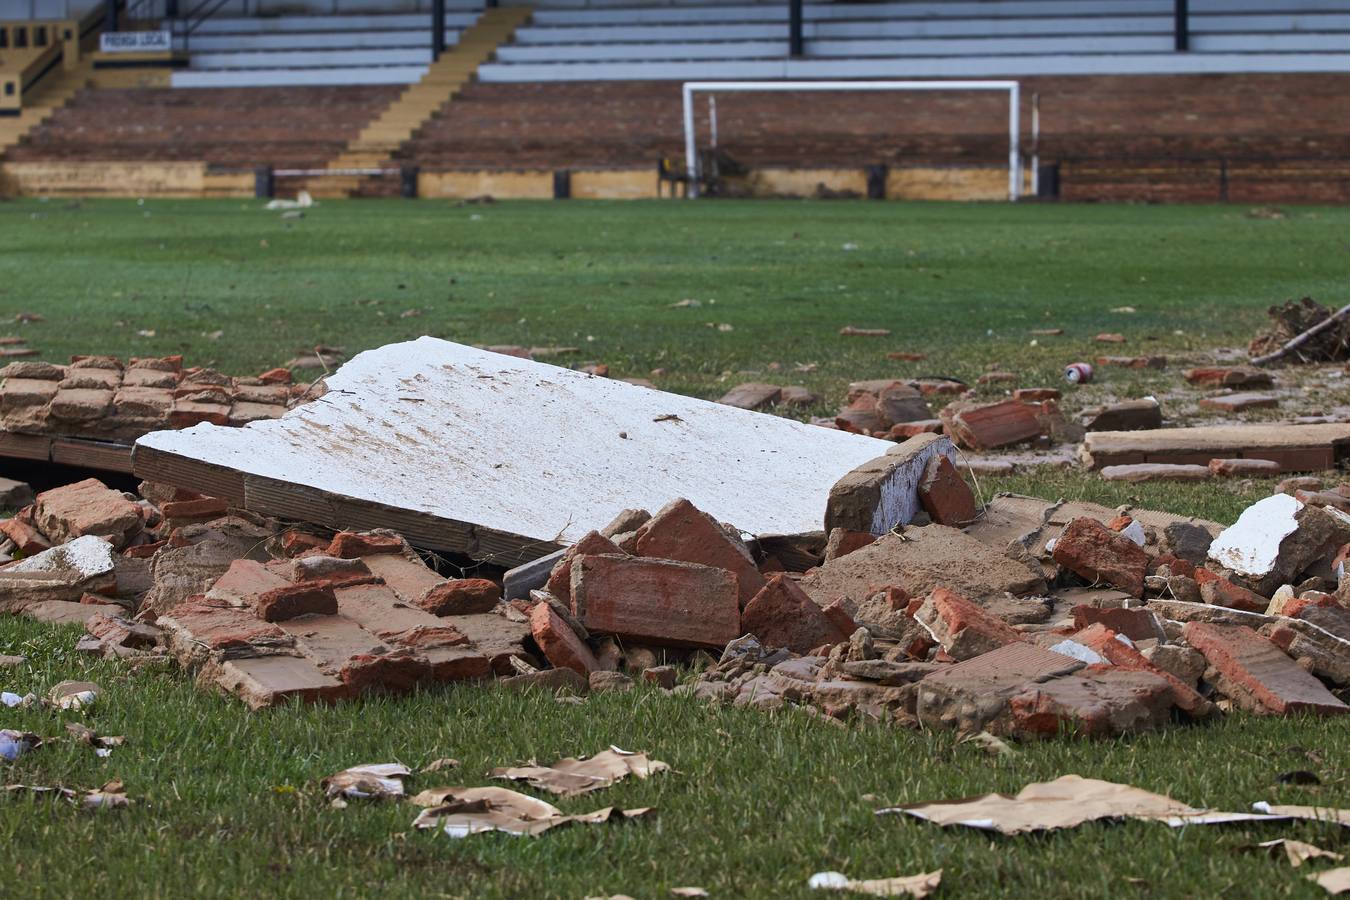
point(53, 92)
point(379, 140)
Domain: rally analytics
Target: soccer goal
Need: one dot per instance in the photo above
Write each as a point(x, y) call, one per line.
point(1011, 88)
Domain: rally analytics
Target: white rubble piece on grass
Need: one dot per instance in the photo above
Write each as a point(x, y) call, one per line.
point(78, 560)
point(1251, 545)
point(492, 456)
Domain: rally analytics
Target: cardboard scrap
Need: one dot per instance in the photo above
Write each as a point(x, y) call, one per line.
point(1333, 881)
point(1297, 852)
point(368, 782)
point(460, 812)
point(1067, 802)
point(103, 745)
point(1312, 813)
point(75, 694)
point(903, 886)
point(570, 777)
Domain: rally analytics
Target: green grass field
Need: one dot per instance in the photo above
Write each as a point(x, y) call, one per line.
point(228, 802)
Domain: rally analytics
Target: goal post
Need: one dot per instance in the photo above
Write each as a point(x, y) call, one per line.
point(1011, 88)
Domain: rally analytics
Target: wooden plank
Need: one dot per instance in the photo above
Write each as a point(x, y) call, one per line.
point(84, 454)
point(504, 458)
point(25, 446)
point(1297, 448)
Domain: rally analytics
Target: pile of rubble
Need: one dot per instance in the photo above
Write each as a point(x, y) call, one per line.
point(97, 397)
point(1020, 617)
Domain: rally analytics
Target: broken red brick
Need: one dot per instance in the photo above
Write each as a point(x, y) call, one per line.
point(903, 430)
point(782, 615)
point(559, 642)
point(1098, 701)
point(840, 618)
point(752, 395)
point(216, 626)
point(963, 629)
point(945, 495)
point(1036, 395)
point(346, 544)
point(1136, 623)
point(295, 542)
point(1133, 362)
point(990, 426)
point(144, 551)
point(997, 378)
point(275, 376)
point(1239, 402)
point(861, 416)
point(461, 596)
point(1256, 674)
point(1094, 552)
point(397, 671)
point(1109, 338)
point(280, 604)
point(1228, 376)
point(593, 543)
point(27, 538)
point(205, 508)
point(86, 507)
point(906, 356)
point(681, 532)
point(1103, 639)
point(1219, 591)
point(1175, 565)
point(1245, 468)
point(654, 601)
point(842, 542)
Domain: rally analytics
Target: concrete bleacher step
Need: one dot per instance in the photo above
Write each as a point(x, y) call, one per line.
point(381, 139)
point(60, 86)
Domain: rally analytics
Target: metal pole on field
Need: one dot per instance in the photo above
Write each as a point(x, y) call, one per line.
point(795, 45)
point(1182, 25)
point(1014, 152)
point(437, 29)
point(690, 157)
point(1035, 144)
point(712, 120)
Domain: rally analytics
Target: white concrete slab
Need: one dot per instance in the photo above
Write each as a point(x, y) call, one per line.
point(1251, 545)
point(495, 454)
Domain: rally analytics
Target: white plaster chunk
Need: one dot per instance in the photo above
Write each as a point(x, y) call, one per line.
point(531, 449)
point(1080, 652)
point(83, 558)
point(1251, 545)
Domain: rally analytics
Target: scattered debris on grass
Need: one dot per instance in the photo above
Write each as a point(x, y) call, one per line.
point(378, 781)
point(570, 777)
point(903, 886)
point(461, 812)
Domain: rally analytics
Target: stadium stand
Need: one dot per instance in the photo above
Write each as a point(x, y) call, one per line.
point(1255, 106)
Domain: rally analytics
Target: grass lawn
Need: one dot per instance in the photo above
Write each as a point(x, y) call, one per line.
point(227, 801)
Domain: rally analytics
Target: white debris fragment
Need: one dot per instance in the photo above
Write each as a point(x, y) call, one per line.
point(1251, 545)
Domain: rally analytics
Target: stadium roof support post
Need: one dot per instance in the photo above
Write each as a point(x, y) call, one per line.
point(437, 29)
point(110, 15)
point(796, 47)
point(1182, 25)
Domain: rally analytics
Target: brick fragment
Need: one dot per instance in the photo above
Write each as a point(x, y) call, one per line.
point(1036, 395)
point(86, 507)
point(1129, 415)
point(1105, 642)
point(782, 615)
point(840, 617)
point(842, 542)
point(963, 629)
point(1094, 552)
point(1256, 674)
point(559, 642)
point(1219, 591)
point(283, 603)
point(1229, 376)
point(592, 543)
point(992, 425)
point(1240, 402)
point(28, 539)
point(656, 601)
point(1244, 468)
point(1136, 473)
point(205, 508)
point(461, 596)
point(945, 495)
point(1136, 623)
point(1099, 701)
point(679, 531)
point(346, 544)
point(752, 395)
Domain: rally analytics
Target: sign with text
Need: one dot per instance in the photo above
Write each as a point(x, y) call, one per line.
point(135, 42)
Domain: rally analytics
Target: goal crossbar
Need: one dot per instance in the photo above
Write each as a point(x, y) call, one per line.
point(1012, 88)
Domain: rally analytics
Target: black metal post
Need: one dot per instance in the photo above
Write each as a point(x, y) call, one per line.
point(407, 182)
point(110, 15)
point(1182, 25)
point(437, 29)
point(876, 182)
point(264, 183)
point(562, 185)
point(170, 9)
point(795, 46)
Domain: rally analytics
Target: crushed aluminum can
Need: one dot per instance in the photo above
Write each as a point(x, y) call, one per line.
point(1078, 373)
